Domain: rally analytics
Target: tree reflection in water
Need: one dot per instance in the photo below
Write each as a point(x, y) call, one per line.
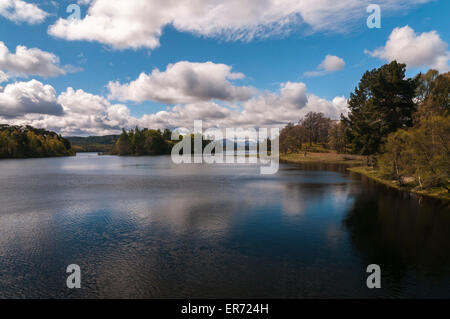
point(399, 235)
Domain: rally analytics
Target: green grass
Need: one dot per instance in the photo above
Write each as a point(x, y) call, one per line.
point(439, 192)
point(320, 157)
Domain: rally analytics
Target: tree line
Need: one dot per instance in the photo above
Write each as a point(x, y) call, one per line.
point(401, 124)
point(26, 141)
point(143, 142)
point(138, 142)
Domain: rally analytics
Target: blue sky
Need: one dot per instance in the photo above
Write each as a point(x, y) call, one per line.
point(267, 61)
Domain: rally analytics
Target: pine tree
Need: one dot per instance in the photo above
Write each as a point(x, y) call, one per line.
point(381, 104)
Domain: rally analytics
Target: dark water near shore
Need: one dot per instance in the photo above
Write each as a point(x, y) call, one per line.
point(145, 228)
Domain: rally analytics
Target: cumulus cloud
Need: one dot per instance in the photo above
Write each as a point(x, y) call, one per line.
point(3, 77)
point(90, 114)
point(289, 105)
point(31, 97)
point(331, 63)
point(416, 50)
point(82, 113)
point(140, 24)
point(31, 61)
point(20, 11)
point(183, 82)
point(268, 109)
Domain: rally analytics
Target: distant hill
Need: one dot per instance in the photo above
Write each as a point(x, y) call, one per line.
point(101, 144)
point(26, 141)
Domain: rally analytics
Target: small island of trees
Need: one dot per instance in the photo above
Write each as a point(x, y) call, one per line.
point(139, 142)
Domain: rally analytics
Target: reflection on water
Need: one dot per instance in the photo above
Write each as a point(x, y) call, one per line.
point(143, 227)
point(403, 236)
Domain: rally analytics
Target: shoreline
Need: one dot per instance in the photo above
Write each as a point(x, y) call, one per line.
point(35, 157)
point(372, 174)
point(357, 163)
point(322, 158)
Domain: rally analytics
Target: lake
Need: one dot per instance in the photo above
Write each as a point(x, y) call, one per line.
point(143, 227)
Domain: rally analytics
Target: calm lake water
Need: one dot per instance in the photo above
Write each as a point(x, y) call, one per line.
point(146, 228)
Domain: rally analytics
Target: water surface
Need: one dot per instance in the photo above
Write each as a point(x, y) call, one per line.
point(142, 227)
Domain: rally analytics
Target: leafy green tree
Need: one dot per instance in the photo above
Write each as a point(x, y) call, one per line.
point(382, 103)
point(123, 146)
point(420, 154)
point(396, 161)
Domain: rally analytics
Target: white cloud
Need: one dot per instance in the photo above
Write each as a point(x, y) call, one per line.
point(3, 77)
point(90, 114)
point(20, 11)
point(31, 97)
point(268, 109)
point(137, 23)
point(183, 82)
point(31, 61)
point(416, 50)
point(80, 113)
point(331, 63)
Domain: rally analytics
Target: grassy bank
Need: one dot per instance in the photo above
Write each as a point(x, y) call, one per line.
point(439, 193)
point(326, 158)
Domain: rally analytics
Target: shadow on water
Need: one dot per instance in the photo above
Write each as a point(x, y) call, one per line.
point(401, 232)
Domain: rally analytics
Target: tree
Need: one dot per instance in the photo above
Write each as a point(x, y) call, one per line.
point(122, 146)
point(381, 104)
point(432, 95)
point(396, 161)
point(317, 127)
point(292, 138)
point(421, 153)
point(338, 137)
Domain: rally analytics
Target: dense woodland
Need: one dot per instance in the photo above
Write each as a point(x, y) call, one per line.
point(401, 124)
point(25, 141)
